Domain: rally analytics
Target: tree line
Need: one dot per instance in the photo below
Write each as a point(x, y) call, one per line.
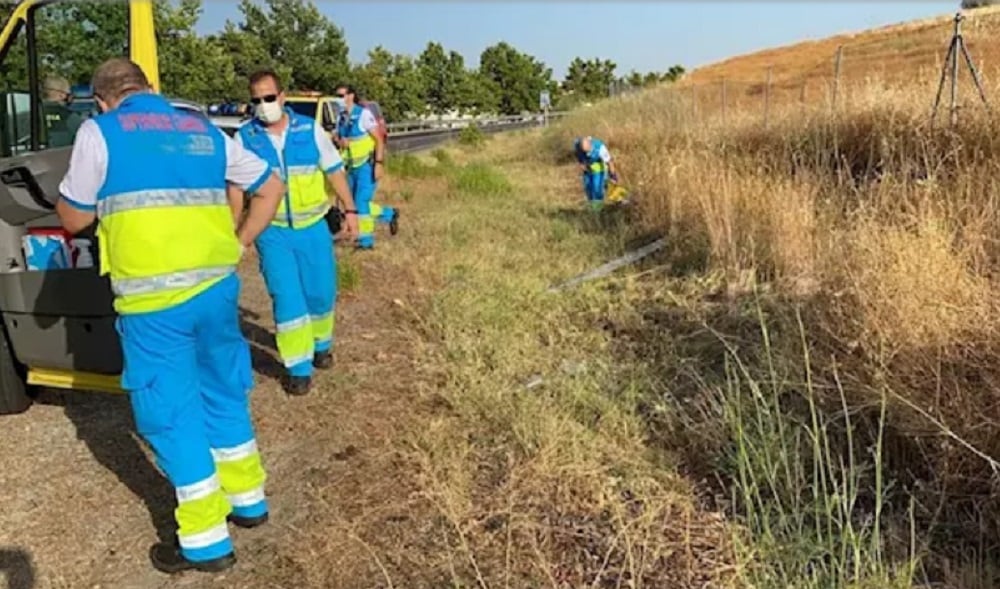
point(310, 52)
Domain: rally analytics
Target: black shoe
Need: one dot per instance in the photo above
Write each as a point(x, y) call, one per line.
point(394, 223)
point(298, 385)
point(167, 558)
point(247, 522)
point(323, 360)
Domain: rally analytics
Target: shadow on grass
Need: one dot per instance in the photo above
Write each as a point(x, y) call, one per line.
point(263, 349)
point(16, 566)
point(104, 423)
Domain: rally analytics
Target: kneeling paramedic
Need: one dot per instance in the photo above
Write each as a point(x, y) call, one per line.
point(362, 147)
point(296, 250)
point(596, 166)
point(155, 180)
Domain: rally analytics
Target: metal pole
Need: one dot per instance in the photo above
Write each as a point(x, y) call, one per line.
point(767, 97)
point(944, 74)
point(724, 100)
point(954, 69)
point(836, 77)
point(976, 75)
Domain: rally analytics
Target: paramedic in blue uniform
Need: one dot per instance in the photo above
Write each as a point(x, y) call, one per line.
point(362, 147)
point(155, 180)
point(596, 166)
point(296, 250)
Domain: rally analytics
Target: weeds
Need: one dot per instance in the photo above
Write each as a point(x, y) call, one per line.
point(471, 136)
point(479, 179)
point(348, 275)
point(875, 230)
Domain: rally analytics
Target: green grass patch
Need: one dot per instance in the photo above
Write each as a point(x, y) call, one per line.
point(407, 165)
point(348, 275)
point(471, 136)
point(480, 179)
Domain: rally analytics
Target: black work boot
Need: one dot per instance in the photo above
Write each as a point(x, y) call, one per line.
point(394, 223)
point(247, 522)
point(167, 558)
point(298, 385)
point(323, 360)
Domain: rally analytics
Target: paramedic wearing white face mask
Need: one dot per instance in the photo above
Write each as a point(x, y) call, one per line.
point(296, 250)
point(362, 147)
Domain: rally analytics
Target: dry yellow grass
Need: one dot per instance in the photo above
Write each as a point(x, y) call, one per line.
point(895, 56)
point(874, 226)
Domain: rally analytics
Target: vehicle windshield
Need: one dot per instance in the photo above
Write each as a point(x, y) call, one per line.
point(306, 109)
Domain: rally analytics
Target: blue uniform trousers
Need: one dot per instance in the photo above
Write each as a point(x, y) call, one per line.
point(300, 272)
point(188, 375)
point(594, 184)
point(361, 181)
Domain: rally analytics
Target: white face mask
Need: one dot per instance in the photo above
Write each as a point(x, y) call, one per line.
point(269, 112)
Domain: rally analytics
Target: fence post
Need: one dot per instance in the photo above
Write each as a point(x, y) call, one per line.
point(767, 97)
point(724, 101)
point(836, 77)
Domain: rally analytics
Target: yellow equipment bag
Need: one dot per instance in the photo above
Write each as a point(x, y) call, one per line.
point(616, 193)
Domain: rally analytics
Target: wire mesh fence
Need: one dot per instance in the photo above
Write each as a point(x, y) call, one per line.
point(953, 62)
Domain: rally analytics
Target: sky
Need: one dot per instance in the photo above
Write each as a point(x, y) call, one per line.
point(645, 36)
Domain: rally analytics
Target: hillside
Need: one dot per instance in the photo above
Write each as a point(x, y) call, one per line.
point(894, 54)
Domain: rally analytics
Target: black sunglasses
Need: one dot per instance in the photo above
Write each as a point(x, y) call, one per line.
point(268, 98)
point(339, 95)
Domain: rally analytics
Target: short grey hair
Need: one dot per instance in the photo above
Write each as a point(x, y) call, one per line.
point(118, 77)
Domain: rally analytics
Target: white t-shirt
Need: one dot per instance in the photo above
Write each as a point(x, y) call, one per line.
point(88, 166)
point(329, 157)
point(604, 153)
point(367, 121)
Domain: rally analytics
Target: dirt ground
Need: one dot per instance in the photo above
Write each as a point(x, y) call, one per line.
point(82, 502)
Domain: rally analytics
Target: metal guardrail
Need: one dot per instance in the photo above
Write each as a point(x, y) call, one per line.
point(421, 125)
point(411, 136)
point(415, 127)
point(408, 142)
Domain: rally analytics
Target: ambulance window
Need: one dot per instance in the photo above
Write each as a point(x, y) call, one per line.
point(66, 43)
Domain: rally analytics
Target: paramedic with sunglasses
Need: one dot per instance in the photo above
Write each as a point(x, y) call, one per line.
point(363, 149)
point(296, 251)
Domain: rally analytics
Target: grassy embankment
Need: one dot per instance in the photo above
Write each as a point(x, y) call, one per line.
point(827, 326)
point(526, 462)
point(798, 393)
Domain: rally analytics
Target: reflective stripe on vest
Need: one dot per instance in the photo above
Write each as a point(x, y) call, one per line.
point(166, 230)
point(306, 201)
point(361, 148)
point(141, 199)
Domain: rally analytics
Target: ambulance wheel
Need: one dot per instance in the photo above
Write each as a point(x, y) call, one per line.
point(14, 394)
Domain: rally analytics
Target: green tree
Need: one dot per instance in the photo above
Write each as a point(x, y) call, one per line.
point(673, 74)
point(74, 37)
point(443, 76)
point(520, 77)
point(480, 94)
point(590, 78)
point(393, 81)
point(294, 38)
point(192, 67)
